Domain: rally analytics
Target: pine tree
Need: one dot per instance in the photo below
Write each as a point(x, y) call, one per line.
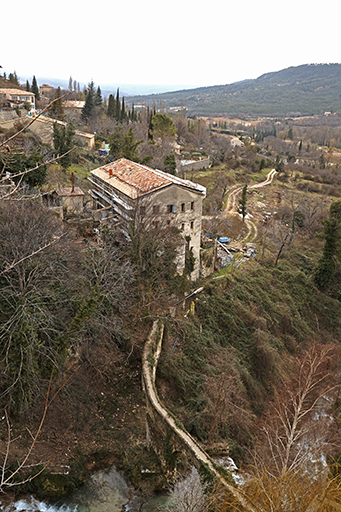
point(89, 101)
point(35, 88)
point(98, 97)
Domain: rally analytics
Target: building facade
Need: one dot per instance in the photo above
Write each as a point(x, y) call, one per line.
point(129, 192)
point(14, 97)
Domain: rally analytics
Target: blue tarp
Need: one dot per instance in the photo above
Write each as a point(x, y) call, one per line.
point(223, 239)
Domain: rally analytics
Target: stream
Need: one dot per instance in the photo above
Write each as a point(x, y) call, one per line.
point(107, 491)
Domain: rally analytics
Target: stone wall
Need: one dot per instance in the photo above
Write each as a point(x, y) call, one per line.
point(195, 165)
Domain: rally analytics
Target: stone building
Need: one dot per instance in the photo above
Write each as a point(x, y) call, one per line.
point(69, 201)
point(130, 192)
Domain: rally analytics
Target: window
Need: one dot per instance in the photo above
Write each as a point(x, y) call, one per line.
point(182, 227)
point(183, 208)
point(156, 224)
point(142, 210)
point(192, 205)
point(156, 208)
point(171, 208)
point(192, 224)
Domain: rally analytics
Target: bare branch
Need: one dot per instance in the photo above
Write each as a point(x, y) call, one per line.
point(12, 265)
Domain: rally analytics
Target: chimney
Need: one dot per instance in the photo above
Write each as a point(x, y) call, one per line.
point(72, 183)
point(110, 172)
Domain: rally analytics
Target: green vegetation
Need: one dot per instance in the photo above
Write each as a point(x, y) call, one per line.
point(63, 142)
point(241, 339)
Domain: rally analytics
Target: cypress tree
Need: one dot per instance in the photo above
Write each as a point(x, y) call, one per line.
point(111, 106)
point(242, 202)
point(150, 128)
point(326, 268)
point(89, 101)
point(57, 108)
point(118, 106)
point(28, 88)
point(34, 88)
point(123, 112)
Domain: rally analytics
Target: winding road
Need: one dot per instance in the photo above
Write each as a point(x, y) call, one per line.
point(231, 205)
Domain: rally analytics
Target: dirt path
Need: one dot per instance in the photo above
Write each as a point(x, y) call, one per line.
point(231, 205)
point(149, 376)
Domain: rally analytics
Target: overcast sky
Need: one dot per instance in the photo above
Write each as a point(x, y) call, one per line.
point(189, 42)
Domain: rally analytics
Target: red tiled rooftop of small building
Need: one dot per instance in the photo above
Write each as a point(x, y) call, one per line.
point(68, 191)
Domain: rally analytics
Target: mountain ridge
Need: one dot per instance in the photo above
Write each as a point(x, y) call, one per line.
point(306, 90)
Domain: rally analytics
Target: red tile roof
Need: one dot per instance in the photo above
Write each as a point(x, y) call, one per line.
point(135, 179)
point(68, 192)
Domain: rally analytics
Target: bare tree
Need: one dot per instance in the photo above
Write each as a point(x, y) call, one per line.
point(226, 397)
point(35, 297)
point(289, 470)
point(189, 495)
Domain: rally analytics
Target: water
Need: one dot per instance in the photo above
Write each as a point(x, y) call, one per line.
point(107, 491)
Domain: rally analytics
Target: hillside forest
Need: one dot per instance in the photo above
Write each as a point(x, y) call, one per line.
point(249, 367)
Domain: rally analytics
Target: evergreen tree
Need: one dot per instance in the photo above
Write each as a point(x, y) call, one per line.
point(163, 127)
point(98, 97)
point(70, 84)
point(37, 177)
point(115, 141)
point(12, 77)
point(133, 113)
point(118, 106)
point(35, 88)
point(150, 128)
point(123, 145)
point(170, 164)
point(63, 142)
point(332, 234)
point(242, 202)
point(89, 101)
point(123, 111)
point(28, 88)
point(57, 108)
point(129, 149)
point(111, 106)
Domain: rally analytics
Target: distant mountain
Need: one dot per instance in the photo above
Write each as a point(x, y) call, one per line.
point(107, 89)
point(307, 89)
